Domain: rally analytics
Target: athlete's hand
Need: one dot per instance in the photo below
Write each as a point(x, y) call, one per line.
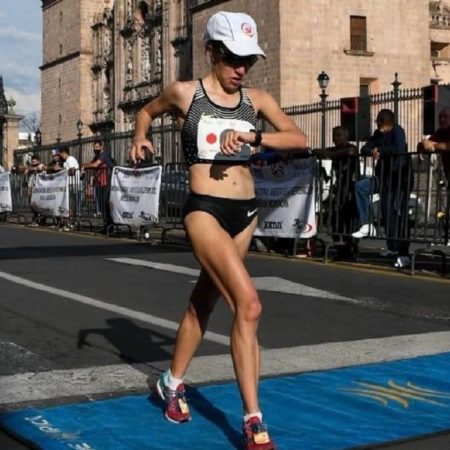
point(139, 148)
point(232, 141)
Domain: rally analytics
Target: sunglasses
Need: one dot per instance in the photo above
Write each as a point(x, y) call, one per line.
point(232, 60)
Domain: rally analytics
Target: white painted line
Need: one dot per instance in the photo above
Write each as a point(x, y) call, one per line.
point(277, 284)
point(41, 386)
point(156, 265)
point(143, 317)
point(271, 284)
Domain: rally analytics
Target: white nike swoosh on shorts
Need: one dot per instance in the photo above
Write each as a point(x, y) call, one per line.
point(251, 213)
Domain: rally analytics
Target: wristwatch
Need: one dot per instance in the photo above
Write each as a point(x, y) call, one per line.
point(258, 138)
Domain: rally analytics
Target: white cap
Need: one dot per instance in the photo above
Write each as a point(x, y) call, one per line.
point(236, 30)
point(55, 152)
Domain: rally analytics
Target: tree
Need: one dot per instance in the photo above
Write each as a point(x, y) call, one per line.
point(31, 123)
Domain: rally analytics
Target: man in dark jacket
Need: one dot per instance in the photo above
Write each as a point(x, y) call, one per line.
point(439, 142)
point(393, 180)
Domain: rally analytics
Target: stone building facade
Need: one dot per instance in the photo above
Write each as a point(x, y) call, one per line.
point(103, 59)
point(9, 129)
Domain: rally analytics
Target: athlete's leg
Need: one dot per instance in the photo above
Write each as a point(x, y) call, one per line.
point(202, 302)
point(243, 240)
point(193, 325)
point(219, 256)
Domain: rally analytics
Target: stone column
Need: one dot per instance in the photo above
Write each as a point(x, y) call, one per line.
point(10, 132)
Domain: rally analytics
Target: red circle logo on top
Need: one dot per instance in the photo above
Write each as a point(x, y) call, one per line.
point(247, 29)
point(211, 138)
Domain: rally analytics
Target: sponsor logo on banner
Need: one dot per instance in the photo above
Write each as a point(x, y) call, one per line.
point(302, 227)
point(273, 225)
point(285, 196)
point(134, 196)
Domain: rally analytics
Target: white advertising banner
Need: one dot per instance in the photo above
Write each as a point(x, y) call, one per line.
point(5, 192)
point(134, 195)
point(50, 194)
point(285, 194)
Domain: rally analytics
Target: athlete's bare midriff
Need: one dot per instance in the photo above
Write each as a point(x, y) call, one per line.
point(227, 181)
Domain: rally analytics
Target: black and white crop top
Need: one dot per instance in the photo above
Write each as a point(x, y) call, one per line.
point(206, 121)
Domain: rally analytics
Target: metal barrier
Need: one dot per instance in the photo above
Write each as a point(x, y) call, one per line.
point(407, 200)
point(174, 191)
point(20, 195)
point(404, 200)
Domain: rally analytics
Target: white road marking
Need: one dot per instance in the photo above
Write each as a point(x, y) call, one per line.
point(143, 317)
point(272, 284)
point(156, 265)
point(40, 386)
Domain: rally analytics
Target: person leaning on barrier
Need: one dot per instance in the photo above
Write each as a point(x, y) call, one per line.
point(439, 142)
point(393, 180)
point(75, 190)
point(31, 172)
point(55, 165)
point(345, 172)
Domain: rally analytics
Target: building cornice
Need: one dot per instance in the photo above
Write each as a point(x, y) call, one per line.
point(200, 5)
point(49, 3)
point(64, 59)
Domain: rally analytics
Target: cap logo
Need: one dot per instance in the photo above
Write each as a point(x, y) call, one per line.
point(247, 29)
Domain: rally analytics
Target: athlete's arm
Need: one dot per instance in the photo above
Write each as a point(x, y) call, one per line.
point(171, 98)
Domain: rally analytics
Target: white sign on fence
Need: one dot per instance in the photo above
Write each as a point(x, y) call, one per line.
point(285, 194)
point(134, 195)
point(5, 192)
point(50, 194)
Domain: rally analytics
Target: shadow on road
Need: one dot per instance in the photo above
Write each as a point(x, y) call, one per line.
point(134, 344)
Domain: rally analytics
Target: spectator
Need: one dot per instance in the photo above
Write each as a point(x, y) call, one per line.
point(393, 179)
point(345, 172)
point(95, 181)
point(71, 164)
point(31, 172)
point(55, 165)
point(439, 142)
point(102, 165)
point(2, 215)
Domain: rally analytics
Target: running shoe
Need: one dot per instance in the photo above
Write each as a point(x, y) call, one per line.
point(177, 409)
point(256, 436)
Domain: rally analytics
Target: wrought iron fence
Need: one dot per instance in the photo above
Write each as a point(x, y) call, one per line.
point(406, 104)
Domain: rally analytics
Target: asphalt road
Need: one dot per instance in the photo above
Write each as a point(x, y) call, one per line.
point(47, 324)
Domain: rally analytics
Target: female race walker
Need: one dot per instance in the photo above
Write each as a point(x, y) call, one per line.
point(218, 117)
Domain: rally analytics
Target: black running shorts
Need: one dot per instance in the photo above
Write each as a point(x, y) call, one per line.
point(233, 215)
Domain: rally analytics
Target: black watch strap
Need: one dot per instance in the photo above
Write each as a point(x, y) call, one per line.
point(258, 138)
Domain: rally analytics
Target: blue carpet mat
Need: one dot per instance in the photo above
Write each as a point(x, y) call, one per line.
point(335, 409)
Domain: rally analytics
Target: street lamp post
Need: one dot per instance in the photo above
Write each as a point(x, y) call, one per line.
point(38, 137)
point(80, 135)
point(396, 85)
point(323, 80)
